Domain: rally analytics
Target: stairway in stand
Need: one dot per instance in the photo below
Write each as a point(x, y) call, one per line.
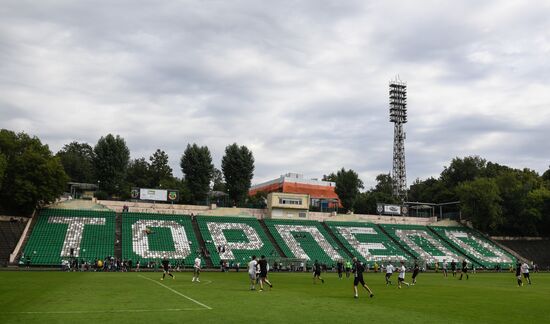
point(271, 238)
point(204, 251)
point(118, 236)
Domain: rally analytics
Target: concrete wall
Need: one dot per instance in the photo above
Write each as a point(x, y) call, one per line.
point(140, 207)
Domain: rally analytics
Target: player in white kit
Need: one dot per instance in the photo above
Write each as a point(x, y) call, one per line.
point(252, 267)
point(196, 269)
point(389, 272)
point(401, 278)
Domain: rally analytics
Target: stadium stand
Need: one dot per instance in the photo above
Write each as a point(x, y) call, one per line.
point(234, 239)
point(422, 243)
point(367, 242)
point(535, 250)
point(63, 233)
point(150, 237)
point(10, 232)
point(475, 247)
point(304, 239)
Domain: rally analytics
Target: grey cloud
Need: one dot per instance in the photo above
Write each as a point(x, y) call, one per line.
point(304, 84)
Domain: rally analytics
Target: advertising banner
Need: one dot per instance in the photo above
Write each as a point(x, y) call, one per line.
point(153, 194)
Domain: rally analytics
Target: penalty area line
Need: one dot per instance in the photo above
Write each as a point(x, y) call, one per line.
point(177, 292)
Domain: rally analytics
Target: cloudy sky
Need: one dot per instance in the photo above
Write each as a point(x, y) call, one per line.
point(303, 84)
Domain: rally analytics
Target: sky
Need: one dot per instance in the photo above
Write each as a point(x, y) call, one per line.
point(303, 84)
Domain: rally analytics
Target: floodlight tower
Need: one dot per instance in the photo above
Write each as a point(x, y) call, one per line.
point(398, 116)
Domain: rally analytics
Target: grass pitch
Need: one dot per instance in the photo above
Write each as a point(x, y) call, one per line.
point(58, 297)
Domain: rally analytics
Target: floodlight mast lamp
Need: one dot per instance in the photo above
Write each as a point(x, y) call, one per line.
point(398, 116)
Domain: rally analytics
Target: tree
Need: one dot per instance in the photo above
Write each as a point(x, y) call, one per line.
point(3, 166)
point(196, 165)
point(138, 173)
point(347, 188)
point(384, 184)
point(431, 190)
point(537, 212)
point(32, 176)
point(238, 170)
point(480, 202)
point(218, 183)
point(159, 169)
point(381, 193)
point(259, 200)
point(546, 178)
point(78, 161)
point(461, 170)
point(514, 188)
point(111, 162)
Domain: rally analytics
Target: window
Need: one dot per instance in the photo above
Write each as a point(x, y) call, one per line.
point(290, 201)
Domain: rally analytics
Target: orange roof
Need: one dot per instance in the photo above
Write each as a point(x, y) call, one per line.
point(312, 190)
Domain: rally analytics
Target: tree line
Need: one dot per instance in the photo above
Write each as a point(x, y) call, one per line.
point(497, 199)
point(30, 174)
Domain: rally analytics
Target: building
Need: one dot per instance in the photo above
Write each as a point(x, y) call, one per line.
point(287, 205)
point(322, 193)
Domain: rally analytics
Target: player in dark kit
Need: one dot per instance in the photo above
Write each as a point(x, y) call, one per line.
point(263, 273)
point(340, 268)
point(317, 272)
point(464, 269)
point(416, 270)
point(358, 269)
point(518, 274)
point(166, 268)
point(453, 267)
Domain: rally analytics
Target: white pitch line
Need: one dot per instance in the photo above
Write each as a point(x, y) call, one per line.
point(111, 311)
point(177, 293)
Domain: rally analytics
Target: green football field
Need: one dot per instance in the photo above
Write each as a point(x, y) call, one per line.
point(58, 297)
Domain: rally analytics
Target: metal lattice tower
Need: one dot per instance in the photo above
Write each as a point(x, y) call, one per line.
point(398, 116)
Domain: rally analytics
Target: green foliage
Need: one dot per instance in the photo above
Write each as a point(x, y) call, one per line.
point(77, 160)
point(480, 201)
point(138, 174)
point(218, 183)
point(31, 174)
point(514, 187)
point(546, 178)
point(461, 170)
point(498, 199)
point(3, 167)
point(196, 165)
point(159, 169)
point(381, 193)
point(238, 170)
point(430, 190)
point(347, 187)
point(259, 200)
point(111, 162)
